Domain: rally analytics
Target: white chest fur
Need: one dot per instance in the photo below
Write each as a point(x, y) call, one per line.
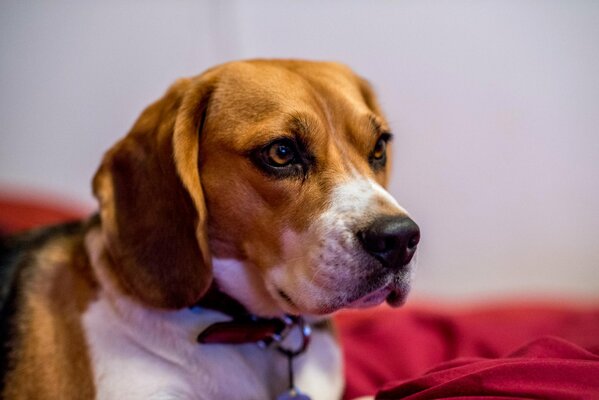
point(141, 353)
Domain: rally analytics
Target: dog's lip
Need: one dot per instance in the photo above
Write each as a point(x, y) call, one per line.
point(399, 293)
point(397, 297)
point(371, 299)
point(394, 294)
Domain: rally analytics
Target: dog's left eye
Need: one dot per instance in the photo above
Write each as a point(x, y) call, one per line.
point(378, 155)
point(379, 149)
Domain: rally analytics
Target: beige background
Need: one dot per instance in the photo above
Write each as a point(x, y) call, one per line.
point(495, 107)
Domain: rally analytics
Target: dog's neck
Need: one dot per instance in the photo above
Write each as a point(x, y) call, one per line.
point(168, 338)
point(216, 299)
point(236, 289)
point(244, 283)
point(243, 327)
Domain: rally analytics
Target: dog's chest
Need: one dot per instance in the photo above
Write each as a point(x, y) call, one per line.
point(147, 354)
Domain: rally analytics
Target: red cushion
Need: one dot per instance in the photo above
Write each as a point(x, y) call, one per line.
point(547, 368)
point(384, 345)
point(20, 212)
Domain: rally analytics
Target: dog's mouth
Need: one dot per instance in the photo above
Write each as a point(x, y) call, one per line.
point(286, 298)
point(395, 294)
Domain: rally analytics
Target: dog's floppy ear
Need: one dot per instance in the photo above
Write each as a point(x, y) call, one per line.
point(151, 202)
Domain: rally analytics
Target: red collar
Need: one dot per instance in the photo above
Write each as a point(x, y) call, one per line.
point(243, 327)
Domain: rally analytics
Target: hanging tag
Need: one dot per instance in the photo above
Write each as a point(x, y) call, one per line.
point(293, 393)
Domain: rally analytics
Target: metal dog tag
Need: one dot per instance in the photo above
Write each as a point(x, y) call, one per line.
point(305, 331)
point(293, 394)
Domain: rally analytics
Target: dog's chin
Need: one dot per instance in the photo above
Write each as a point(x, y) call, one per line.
point(364, 293)
point(394, 294)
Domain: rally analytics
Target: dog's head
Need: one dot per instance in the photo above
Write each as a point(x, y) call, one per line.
point(267, 176)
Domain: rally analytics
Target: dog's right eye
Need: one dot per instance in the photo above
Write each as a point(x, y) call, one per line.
point(280, 153)
point(281, 159)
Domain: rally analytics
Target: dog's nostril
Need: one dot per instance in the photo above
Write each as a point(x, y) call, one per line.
point(391, 239)
point(414, 240)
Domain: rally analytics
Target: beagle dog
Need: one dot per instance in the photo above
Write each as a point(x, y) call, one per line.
point(243, 207)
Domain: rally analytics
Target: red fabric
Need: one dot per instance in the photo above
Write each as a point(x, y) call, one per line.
point(20, 212)
point(548, 368)
point(384, 345)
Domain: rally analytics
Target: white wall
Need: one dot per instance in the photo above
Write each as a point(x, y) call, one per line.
point(495, 107)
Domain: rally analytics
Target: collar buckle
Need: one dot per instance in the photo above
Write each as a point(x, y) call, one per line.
point(305, 331)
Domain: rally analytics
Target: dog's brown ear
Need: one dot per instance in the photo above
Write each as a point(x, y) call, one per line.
point(151, 203)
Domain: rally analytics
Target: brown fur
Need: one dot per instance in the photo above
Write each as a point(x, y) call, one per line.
point(49, 358)
point(148, 217)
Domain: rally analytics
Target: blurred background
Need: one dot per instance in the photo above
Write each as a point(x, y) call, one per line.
point(494, 104)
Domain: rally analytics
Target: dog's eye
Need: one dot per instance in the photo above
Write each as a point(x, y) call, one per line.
point(280, 153)
point(380, 149)
point(282, 159)
point(378, 155)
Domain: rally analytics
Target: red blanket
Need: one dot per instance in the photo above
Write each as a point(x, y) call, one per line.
point(500, 352)
point(548, 368)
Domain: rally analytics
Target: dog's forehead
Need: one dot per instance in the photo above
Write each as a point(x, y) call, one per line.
point(272, 74)
point(258, 87)
point(264, 95)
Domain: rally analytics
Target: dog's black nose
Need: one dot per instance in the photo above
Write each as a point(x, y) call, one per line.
point(391, 239)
